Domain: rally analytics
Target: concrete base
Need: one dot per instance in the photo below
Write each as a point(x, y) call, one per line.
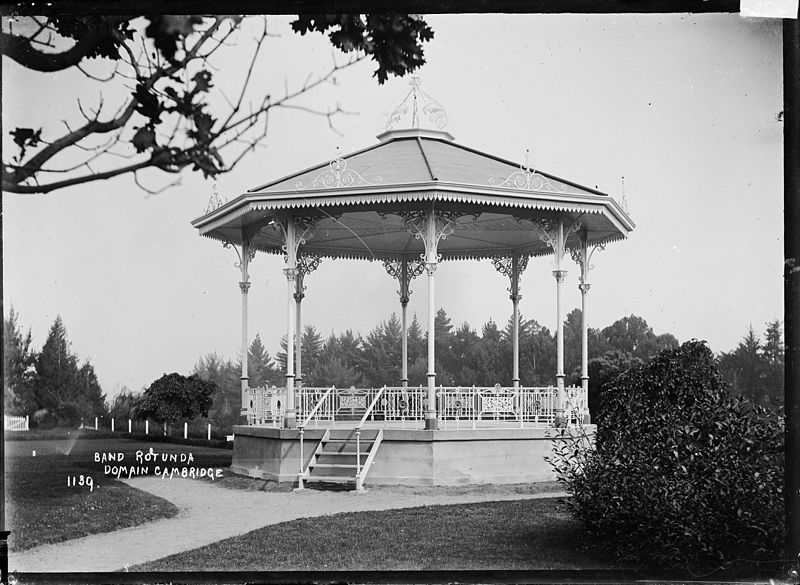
point(411, 457)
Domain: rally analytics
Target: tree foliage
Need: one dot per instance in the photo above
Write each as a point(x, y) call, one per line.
point(18, 367)
point(173, 397)
point(66, 391)
point(682, 473)
point(163, 67)
point(755, 369)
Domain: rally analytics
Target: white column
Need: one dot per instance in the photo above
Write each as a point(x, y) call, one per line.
point(244, 285)
point(582, 257)
point(431, 263)
point(584, 339)
point(404, 283)
point(559, 275)
point(290, 419)
point(299, 336)
point(404, 345)
point(245, 256)
point(430, 411)
point(515, 315)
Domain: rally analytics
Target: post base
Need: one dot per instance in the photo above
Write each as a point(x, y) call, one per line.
point(431, 424)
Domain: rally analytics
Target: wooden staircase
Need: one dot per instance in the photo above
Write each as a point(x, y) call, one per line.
point(340, 456)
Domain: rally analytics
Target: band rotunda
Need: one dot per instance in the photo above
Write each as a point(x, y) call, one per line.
point(414, 199)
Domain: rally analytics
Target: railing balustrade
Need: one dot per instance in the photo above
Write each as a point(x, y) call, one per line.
point(457, 406)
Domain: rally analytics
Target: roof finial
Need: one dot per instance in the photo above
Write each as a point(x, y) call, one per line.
point(624, 199)
point(215, 201)
point(410, 115)
point(528, 164)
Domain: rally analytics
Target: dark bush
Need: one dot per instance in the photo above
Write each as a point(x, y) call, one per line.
point(681, 474)
point(174, 397)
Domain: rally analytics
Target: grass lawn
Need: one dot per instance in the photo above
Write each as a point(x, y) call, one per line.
point(521, 534)
point(42, 508)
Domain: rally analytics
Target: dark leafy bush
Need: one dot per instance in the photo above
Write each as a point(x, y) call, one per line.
point(174, 397)
point(680, 474)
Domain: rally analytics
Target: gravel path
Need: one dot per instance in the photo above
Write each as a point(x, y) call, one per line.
point(209, 513)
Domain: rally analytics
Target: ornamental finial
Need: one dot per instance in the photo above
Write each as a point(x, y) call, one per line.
point(624, 199)
point(215, 201)
point(528, 164)
point(416, 103)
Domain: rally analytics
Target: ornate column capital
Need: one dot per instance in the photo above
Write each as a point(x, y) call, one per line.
point(404, 271)
point(515, 298)
point(430, 267)
point(512, 266)
point(430, 227)
point(299, 296)
point(560, 275)
point(244, 286)
point(290, 273)
point(584, 287)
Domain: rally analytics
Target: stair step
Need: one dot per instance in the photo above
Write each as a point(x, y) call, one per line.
point(330, 479)
point(334, 466)
point(339, 457)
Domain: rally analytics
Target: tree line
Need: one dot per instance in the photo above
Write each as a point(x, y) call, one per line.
point(50, 385)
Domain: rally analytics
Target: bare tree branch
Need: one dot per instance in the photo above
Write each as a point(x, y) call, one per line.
point(151, 192)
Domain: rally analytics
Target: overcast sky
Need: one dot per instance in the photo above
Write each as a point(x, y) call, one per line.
point(684, 107)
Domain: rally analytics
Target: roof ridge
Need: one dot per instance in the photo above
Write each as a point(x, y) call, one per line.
point(425, 158)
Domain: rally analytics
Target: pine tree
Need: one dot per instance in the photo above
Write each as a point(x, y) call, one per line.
point(55, 386)
point(261, 370)
point(90, 397)
point(18, 368)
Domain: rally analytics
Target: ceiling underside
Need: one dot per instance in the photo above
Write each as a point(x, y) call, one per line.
point(380, 232)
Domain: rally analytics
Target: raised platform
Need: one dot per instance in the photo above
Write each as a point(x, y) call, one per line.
point(411, 456)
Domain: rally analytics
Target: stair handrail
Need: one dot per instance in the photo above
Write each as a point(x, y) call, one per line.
point(316, 407)
point(370, 458)
point(302, 428)
point(370, 408)
point(361, 424)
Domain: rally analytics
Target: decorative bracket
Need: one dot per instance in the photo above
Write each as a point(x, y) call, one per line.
point(555, 236)
point(245, 257)
point(404, 271)
point(512, 266)
point(337, 175)
point(306, 263)
point(583, 256)
point(418, 223)
point(304, 228)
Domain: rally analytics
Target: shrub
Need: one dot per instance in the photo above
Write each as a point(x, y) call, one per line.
point(681, 473)
point(174, 397)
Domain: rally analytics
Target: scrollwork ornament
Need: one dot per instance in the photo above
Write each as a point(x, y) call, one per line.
point(337, 175)
point(215, 202)
point(526, 178)
point(416, 101)
point(503, 265)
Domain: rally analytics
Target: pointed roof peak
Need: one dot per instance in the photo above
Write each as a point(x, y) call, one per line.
point(417, 110)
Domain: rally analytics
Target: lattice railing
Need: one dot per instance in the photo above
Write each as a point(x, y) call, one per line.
point(457, 406)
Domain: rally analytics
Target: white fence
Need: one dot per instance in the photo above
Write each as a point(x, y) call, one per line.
point(16, 423)
point(457, 407)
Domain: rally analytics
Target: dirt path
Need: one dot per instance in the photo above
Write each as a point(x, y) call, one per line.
point(209, 513)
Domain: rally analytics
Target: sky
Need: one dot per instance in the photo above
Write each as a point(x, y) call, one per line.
point(685, 107)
